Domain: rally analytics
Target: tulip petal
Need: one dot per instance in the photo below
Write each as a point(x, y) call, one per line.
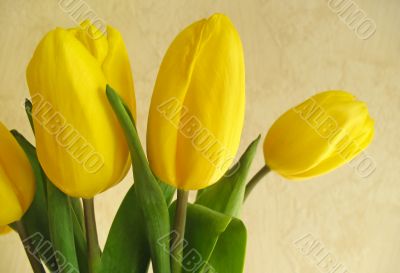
point(5, 230)
point(215, 99)
point(167, 100)
point(16, 178)
point(79, 142)
point(117, 69)
point(334, 161)
point(11, 208)
point(97, 47)
point(197, 110)
point(318, 135)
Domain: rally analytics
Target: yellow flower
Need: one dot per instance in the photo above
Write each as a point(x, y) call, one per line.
point(17, 181)
point(319, 135)
point(80, 143)
point(197, 109)
point(5, 230)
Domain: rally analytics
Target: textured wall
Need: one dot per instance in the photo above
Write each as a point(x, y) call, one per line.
point(292, 49)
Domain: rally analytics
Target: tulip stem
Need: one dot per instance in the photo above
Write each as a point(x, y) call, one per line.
point(94, 253)
point(34, 259)
point(178, 234)
point(254, 181)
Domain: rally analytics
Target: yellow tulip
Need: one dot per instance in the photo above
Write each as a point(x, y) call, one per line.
point(319, 135)
point(80, 143)
point(17, 181)
point(5, 230)
point(197, 109)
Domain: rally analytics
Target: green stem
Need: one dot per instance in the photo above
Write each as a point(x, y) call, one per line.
point(29, 249)
point(254, 181)
point(94, 253)
point(179, 231)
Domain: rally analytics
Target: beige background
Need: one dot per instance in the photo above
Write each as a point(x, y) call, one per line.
point(292, 49)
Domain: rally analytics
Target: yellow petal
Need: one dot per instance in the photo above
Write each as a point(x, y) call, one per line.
point(197, 109)
point(5, 230)
point(318, 135)
point(97, 47)
point(117, 69)
point(79, 141)
point(334, 161)
point(17, 182)
point(11, 206)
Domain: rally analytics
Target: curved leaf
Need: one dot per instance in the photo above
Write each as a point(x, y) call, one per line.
point(61, 229)
point(79, 234)
point(36, 219)
point(230, 252)
point(129, 256)
point(148, 192)
point(212, 240)
point(227, 195)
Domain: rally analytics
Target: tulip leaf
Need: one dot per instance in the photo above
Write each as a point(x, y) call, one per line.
point(79, 234)
point(227, 195)
point(62, 229)
point(28, 110)
point(36, 219)
point(213, 241)
point(230, 251)
point(122, 255)
point(77, 211)
point(149, 195)
point(126, 249)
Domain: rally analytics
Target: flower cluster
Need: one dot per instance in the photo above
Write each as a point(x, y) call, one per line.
point(83, 114)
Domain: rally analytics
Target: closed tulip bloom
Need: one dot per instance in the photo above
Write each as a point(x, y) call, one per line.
point(17, 181)
point(197, 109)
point(80, 143)
point(318, 136)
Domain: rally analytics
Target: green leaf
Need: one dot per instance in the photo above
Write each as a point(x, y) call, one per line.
point(62, 229)
point(79, 234)
point(230, 252)
point(77, 211)
point(126, 249)
point(148, 192)
point(36, 219)
point(211, 236)
point(122, 255)
point(227, 195)
point(28, 110)
point(36, 216)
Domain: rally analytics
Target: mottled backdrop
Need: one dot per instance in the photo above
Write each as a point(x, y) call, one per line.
point(292, 49)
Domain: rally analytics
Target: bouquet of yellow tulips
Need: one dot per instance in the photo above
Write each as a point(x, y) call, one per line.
point(82, 112)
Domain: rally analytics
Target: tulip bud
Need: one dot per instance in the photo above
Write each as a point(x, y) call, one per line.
point(17, 181)
point(319, 135)
point(197, 109)
point(80, 143)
